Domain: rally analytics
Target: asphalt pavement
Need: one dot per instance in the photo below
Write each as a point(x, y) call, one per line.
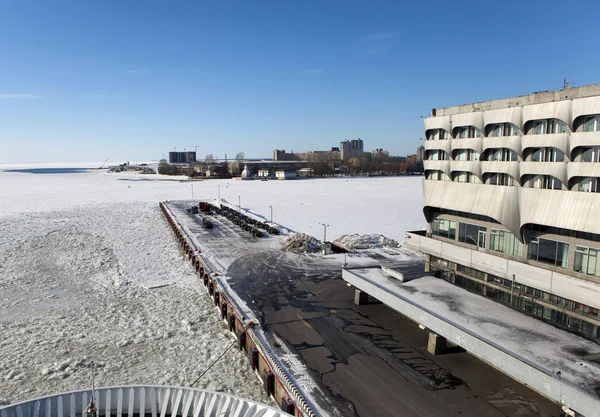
point(367, 360)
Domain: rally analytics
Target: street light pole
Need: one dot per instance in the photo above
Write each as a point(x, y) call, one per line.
point(192, 191)
point(512, 289)
point(325, 231)
point(239, 202)
point(271, 207)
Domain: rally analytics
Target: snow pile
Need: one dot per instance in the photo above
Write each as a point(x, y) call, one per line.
point(301, 243)
point(374, 241)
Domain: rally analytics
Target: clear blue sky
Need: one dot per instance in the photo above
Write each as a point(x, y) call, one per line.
point(86, 80)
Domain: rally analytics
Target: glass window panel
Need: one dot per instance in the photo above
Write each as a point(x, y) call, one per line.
point(532, 250)
point(562, 254)
point(597, 264)
point(539, 128)
point(547, 251)
point(554, 183)
point(585, 184)
point(435, 227)
point(590, 124)
point(451, 229)
point(561, 127)
point(592, 259)
point(580, 261)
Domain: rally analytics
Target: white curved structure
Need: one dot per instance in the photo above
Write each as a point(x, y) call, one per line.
point(443, 166)
point(503, 142)
point(156, 401)
point(474, 167)
point(559, 141)
point(554, 169)
point(538, 160)
point(471, 143)
point(501, 167)
point(583, 139)
point(442, 145)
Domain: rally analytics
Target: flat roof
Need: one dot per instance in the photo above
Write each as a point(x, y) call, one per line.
point(530, 338)
point(523, 100)
point(532, 352)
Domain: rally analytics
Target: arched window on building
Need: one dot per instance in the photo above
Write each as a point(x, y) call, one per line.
point(502, 129)
point(545, 154)
point(547, 182)
point(501, 154)
point(465, 132)
point(545, 127)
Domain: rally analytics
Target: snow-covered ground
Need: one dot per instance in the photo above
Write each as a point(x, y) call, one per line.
point(79, 252)
point(386, 205)
point(72, 290)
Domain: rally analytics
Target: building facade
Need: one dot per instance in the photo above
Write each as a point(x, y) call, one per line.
point(420, 153)
point(282, 155)
point(511, 193)
point(182, 157)
point(350, 148)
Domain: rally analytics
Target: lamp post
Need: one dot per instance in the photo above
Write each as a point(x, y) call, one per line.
point(512, 289)
point(325, 226)
point(192, 192)
point(239, 202)
point(271, 207)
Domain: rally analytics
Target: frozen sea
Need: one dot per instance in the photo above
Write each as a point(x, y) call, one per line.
point(78, 246)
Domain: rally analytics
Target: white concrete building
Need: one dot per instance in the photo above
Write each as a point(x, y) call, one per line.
point(511, 190)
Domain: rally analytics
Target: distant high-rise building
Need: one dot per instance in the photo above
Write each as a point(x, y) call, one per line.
point(182, 157)
point(278, 155)
point(421, 153)
point(350, 148)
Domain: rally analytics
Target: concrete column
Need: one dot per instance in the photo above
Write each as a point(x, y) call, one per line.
point(427, 263)
point(436, 344)
point(360, 297)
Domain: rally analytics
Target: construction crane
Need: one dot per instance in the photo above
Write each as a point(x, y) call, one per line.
point(195, 148)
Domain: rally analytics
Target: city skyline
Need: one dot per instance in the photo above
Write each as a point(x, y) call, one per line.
point(132, 81)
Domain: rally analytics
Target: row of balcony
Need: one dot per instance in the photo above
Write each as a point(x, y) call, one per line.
point(566, 142)
point(566, 172)
point(515, 207)
point(567, 111)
